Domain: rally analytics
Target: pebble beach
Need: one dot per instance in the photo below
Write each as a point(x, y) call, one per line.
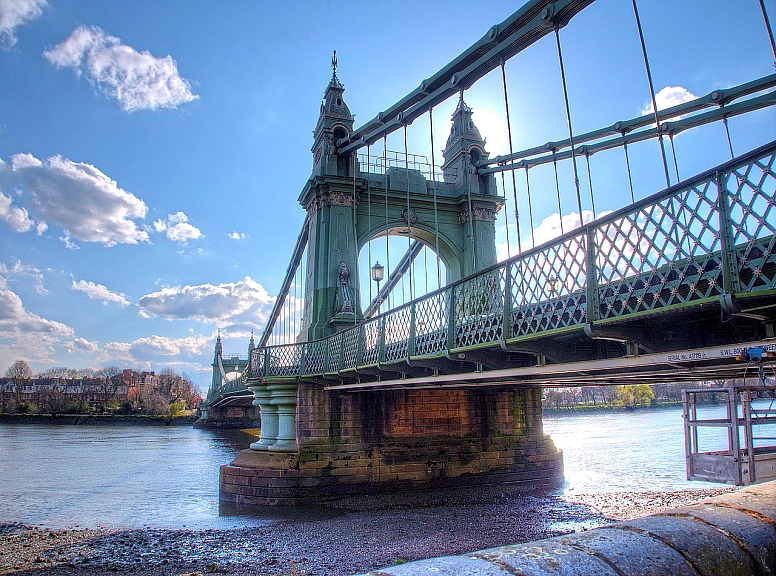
point(349, 537)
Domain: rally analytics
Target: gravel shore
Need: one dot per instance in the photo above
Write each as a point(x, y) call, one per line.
point(353, 536)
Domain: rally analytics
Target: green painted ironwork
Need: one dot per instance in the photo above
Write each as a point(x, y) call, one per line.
point(665, 252)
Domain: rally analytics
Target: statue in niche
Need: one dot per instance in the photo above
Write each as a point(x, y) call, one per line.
point(344, 292)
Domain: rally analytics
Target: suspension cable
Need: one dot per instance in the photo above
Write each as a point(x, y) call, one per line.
point(557, 189)
point(630, 177)
point(355, 243)
point(409, 210)
point(385, 178)
point(369, 217)
point(293, 305)
point(768, 28)
point(673, 153)
point(425, 267)
point(530, 208)
point(506, 211)
point(433, 183)
point(652, 93)
point(514, 185)
point(571, 132)
point(590, 183)
point(466, 165)
point(727, 131)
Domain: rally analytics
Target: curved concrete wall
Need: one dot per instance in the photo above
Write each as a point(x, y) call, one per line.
point(733, 534)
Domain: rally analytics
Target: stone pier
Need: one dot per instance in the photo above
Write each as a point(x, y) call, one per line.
point(328, 444)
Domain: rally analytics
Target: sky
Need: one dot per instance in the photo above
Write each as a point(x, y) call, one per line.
point(152, 153)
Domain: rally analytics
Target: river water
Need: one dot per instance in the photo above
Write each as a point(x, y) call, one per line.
point(134, 476)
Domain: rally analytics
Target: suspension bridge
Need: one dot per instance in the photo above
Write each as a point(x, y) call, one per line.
point(359, 392)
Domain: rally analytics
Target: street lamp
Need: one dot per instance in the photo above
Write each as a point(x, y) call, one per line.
point(378, 273)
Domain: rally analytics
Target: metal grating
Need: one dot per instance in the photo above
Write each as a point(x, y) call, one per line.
point(431, 318)
point(397, 334)
point(752, 189)
point(548, 287)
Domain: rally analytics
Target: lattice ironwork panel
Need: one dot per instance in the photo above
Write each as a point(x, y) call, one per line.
point(284, 360)
point(548, 287)
point(479, 309)
point(334, 351)
point(315, 357)
point(431, 317)
point(397, 334)
point(661, 254)
point(752, 189)
point(350, 347)
point(256, 362)
point(371, 343)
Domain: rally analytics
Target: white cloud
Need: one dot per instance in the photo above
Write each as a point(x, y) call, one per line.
point(24, 334)
point(155, 350)
point(19, 269)
point(81, 345)
point(99, 292)
point(117, 353)
point(17, 218)
point(177, 228)
point(88, 204)
point(237, 235)
point(245, 302)
point(137, 80)
point(667, 97)
point(15, 13)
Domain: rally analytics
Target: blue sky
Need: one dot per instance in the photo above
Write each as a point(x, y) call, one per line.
point(152, 152)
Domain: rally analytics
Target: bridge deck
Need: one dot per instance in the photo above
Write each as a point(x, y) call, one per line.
point(657, 274)
point(619, 300)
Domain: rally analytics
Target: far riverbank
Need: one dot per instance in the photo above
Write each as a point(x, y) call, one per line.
point(97, 419)
point(600, 407)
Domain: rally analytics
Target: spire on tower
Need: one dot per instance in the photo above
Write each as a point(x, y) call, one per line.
point(219, 347)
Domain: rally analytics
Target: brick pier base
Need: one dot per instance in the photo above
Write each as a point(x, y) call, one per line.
point(375, 442)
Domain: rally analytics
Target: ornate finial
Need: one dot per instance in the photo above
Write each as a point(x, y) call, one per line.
point(335, 83)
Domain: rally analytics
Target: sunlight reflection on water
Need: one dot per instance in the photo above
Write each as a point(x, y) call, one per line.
point(627, 450)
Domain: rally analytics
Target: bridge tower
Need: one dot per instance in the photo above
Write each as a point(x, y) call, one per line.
point(316, 442)
point(457, 215)
point(228, 370)
point(332, 298)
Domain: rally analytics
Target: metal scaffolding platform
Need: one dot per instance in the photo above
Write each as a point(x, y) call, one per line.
point(750, 431)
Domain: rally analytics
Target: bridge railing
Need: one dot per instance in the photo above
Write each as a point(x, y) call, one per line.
point(712, 235)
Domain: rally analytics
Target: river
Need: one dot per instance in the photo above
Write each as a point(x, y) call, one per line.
point(167, 477)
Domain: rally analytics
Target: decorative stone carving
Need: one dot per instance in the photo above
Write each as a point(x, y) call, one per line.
point(331, 199)
point(347, 299)
point(409, 216)
point(480, 214)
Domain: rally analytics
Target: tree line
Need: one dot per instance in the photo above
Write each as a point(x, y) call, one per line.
point(61, 390)
point(630, 396)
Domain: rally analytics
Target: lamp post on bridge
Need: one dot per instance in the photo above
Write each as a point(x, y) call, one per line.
point(378, 273)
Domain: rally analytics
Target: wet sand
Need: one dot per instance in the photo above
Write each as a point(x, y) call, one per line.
point(350, 537)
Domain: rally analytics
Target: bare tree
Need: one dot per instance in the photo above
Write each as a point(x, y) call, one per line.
point(53, 400)
point(110, 382)
point(59, 372)
point(19, 372)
